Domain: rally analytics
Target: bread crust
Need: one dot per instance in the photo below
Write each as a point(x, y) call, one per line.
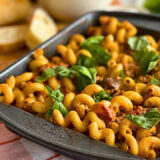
point(41, 28)
point(14, 39)
point(12, 11)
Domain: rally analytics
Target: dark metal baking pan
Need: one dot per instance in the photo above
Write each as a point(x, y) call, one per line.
point(63, 140)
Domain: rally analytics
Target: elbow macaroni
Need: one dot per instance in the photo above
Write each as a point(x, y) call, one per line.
point(106, 133)
point(74, 119)
point(147, 147)
point(121, 102)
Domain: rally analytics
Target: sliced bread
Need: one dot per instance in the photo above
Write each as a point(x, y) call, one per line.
point(12, 37)
point(41, 28)
point(12, 11)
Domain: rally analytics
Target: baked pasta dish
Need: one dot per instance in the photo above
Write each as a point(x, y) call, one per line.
point(105, 84)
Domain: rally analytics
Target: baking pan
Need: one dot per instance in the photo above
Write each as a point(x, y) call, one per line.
point(63, 140)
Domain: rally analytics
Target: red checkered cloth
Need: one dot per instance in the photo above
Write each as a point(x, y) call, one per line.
point(14, 147)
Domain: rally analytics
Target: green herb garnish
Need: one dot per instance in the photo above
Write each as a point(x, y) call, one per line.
point(63, 72)
point(148, 120)
point(56, 94)
point(93, 45)
point(96, 40)
point(86, 61)
point(155, 81)
point(146, 58)
point(101, 95)
point(84, 76)
point(47, 73)
point(138, 43)
point(60, 71)
point(122, 74)
point(58, 97)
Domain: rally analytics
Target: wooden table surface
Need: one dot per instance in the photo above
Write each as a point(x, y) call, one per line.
point(7, 59)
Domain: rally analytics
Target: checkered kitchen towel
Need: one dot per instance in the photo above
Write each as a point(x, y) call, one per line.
point(14, 147)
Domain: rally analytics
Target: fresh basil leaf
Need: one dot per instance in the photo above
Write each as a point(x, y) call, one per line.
point(153, 5)
point(63, 72)
point(56, 94)
point(138, 43)
point(55, 106)
point(60, 107)
point(154, 113)
point(82, 70)
point(63, 109)
point(60, 71)
point(49, 113)
point(151, 65)
point(84, 77)
point(58, 97)
point(93, 73)
point(146, 58)
point(100, 55)
point(148, 120)
point(155, 81)
point(86, 61)
point(92, 40)
point(101, 95)
point(137, 55)
point(47, 73)
point(81, 82)
point(148, 61)
point(122, 74)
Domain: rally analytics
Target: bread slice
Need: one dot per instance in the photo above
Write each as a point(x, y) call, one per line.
point(12, 38)
point(41, 28)
point(12, 11)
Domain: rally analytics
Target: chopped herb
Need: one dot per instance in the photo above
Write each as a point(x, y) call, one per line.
point(56, 94)
point(88, 72)
point(148, 120)
point(57, 105)
point(148, 61)
point(58, 97)
point(146, 58)
point(47, 73)
point(101, 95)
point(155, 81)
point(84, 77)
point(122, 74)
point(100, 55)
point(86, 61)
point(97, 40)
point(60, 71)
point(63, 72)
point(138, 43)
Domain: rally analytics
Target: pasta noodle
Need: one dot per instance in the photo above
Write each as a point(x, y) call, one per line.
point(72, 117)
point(107, 134)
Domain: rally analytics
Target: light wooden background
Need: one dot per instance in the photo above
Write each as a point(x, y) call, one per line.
point(8, 58)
